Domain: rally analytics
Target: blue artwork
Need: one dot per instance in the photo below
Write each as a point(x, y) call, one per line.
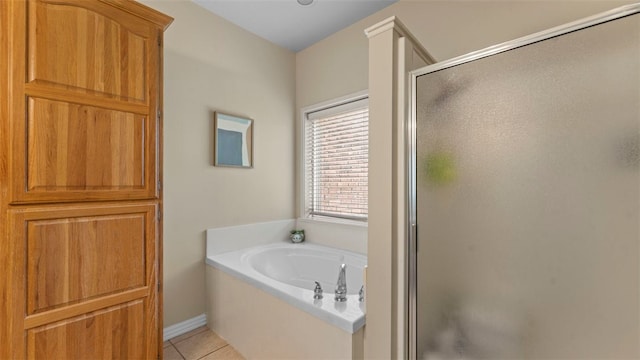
point(229, 147)
point(234, 141)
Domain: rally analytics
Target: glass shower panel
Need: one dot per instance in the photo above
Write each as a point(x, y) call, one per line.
point(528, 201)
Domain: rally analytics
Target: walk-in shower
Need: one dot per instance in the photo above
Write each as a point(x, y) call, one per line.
point(525, 197)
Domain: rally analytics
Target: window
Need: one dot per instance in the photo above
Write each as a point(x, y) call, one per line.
point(336, 159)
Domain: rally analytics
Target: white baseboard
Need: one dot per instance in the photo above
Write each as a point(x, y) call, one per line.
point(183, 327)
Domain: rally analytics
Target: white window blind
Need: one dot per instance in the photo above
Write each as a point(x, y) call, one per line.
point(336, 161)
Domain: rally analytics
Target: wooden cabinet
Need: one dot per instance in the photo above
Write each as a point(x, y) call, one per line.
point(80, 179)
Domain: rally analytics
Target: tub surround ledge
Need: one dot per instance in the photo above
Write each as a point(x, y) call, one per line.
point(225, 239)
point(258, 282)
point(348, 316)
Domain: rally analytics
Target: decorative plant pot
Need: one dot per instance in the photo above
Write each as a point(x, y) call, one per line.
point(297, 236)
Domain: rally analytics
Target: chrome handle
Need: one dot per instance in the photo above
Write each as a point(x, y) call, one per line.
point(317, 292)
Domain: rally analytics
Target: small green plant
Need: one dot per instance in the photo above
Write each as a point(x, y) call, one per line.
point(297, 236)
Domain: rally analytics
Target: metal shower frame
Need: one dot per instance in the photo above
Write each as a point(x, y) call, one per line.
point(412, 226)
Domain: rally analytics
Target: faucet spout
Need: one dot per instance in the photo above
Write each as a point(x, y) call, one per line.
point(341, 286)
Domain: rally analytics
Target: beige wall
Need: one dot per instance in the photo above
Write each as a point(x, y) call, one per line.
point(211, 64)
point(337, 65)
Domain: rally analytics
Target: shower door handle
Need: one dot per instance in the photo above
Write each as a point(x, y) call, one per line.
point(414, 236)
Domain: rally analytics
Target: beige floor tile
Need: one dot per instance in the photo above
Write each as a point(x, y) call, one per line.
point(226, 353)
point(199, 345)
point(170, 353)
point(166, 343)
point(188, 334)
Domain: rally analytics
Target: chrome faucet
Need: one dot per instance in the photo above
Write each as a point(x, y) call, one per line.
point(341, 287)
point(317, 292)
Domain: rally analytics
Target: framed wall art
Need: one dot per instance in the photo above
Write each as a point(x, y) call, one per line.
point(233, 140)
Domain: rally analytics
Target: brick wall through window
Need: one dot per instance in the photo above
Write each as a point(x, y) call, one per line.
point(336, 163)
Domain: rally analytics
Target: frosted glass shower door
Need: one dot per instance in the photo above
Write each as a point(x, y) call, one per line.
point(528, 201)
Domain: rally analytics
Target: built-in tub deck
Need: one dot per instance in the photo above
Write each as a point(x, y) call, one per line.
point(289, 272)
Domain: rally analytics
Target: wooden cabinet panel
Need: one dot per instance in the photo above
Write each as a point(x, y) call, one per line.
point(114, 333)
point(76, 147)
point(83, 258)
point(85, 46)
point(85, 101)
point(78, 253)
point(80, 164)
point(74, 259)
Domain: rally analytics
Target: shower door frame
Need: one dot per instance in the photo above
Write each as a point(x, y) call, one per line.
point(412, 226)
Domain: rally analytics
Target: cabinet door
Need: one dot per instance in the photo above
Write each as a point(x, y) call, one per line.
point(91, 275)
point(84, 116)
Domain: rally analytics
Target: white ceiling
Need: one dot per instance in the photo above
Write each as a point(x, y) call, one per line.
point(289, 24)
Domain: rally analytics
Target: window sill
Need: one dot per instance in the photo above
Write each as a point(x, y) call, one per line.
point(330, 220)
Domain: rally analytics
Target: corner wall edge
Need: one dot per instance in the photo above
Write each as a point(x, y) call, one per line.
point(394, 23)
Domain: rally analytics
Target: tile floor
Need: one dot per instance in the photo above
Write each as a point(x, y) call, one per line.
point(200, 343)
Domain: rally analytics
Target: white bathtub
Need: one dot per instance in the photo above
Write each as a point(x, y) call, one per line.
point(289, 271)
